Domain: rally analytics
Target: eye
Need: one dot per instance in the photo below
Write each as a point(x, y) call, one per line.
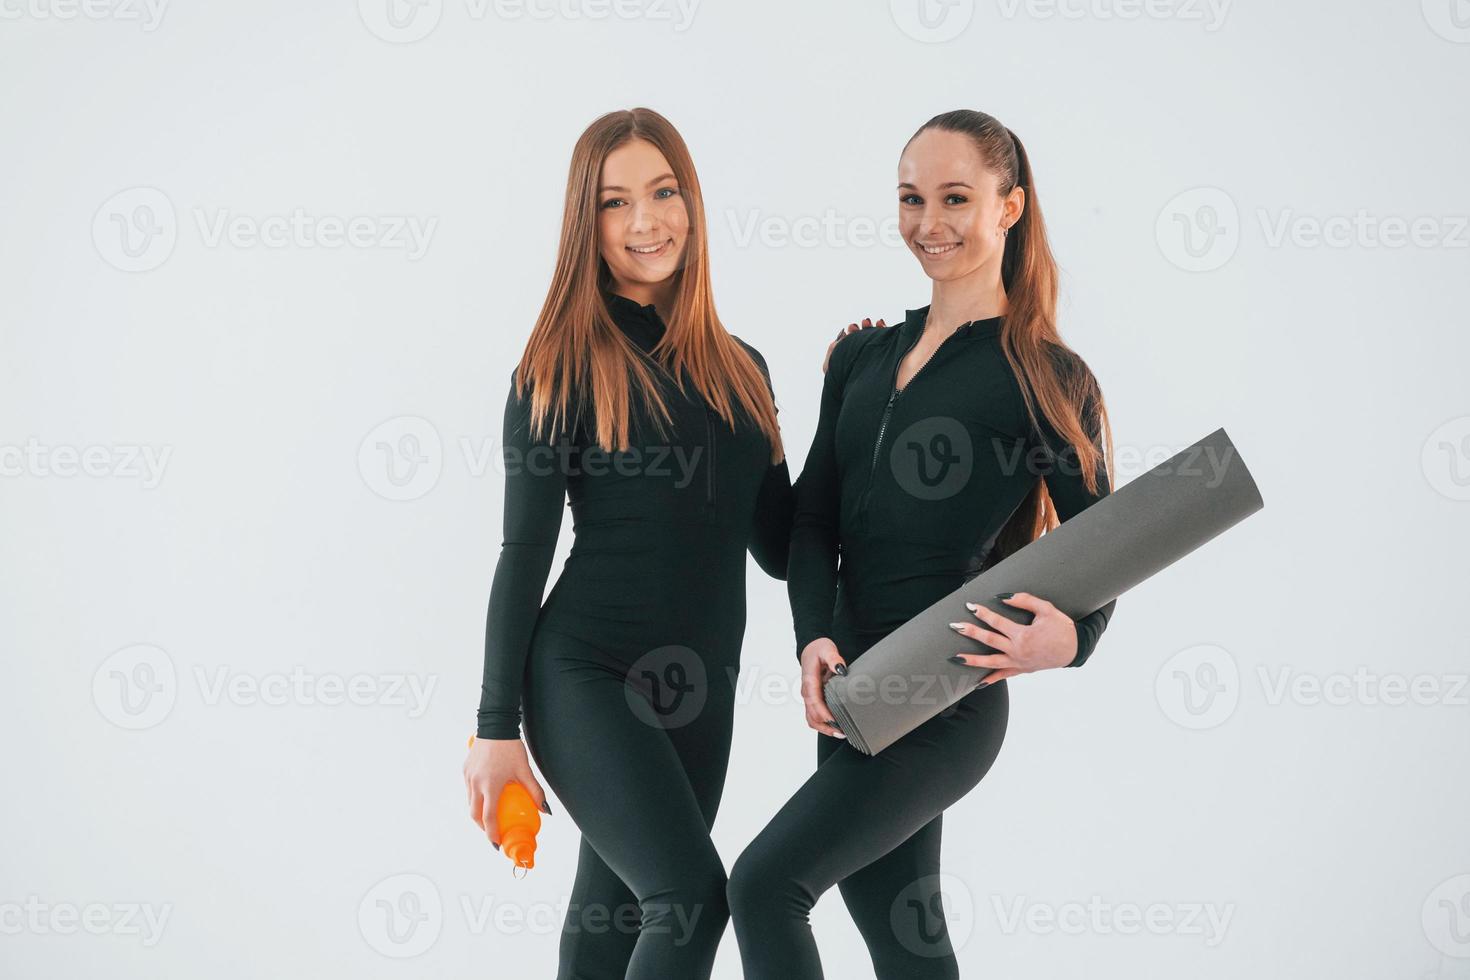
point(912, 199)
point(664, 193)
point(613, 202)
point(956, 199)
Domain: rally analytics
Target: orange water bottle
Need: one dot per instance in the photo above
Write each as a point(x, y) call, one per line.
point(518, 820)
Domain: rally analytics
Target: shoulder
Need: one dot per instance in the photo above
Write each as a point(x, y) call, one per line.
point(1076, 379)
point(755, 355)
point(523, 419)
point(1070, 367)
point(855, 347)
point(760, 362)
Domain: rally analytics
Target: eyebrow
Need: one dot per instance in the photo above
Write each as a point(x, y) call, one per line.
point(952, 183)
point(658, 179)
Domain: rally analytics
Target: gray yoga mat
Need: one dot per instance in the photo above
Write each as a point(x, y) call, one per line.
point(1087, 561)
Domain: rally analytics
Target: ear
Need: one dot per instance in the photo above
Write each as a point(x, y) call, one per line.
point(1014, 207)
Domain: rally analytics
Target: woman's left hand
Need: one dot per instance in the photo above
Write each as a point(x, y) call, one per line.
point(1049, 640)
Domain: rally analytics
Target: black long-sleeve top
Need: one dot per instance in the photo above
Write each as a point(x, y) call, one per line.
point(903, 492)
point(660, 532)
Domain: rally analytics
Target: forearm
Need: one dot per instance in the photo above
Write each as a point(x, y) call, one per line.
point(515, 603)
point(1089, 630)
point(811, 578)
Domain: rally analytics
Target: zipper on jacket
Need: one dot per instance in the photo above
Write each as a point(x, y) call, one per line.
point(888, 408)
point(709, 467)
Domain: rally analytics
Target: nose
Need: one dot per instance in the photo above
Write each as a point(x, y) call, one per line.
point(930, 219)
point(643, 218)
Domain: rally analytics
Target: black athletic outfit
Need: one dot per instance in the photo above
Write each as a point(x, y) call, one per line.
point(910, 489)
point(627, 672)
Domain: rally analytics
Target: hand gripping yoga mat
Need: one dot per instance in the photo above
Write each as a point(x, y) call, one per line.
point(1084, 563)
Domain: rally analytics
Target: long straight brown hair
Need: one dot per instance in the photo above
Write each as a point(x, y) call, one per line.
point(577, 359)
point(1053, 378)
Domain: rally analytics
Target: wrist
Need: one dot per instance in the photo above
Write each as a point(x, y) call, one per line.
point(1080, 657)
point(812, 644)
point(806, 636)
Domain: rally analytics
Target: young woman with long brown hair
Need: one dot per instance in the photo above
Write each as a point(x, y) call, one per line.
point(943, 444)
point(632, 401)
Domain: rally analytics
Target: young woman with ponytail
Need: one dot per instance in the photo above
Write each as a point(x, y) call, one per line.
point(943, 444)
point(633, 402)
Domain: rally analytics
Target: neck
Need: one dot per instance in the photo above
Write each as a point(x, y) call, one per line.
point(977, 296)
point(659, 294)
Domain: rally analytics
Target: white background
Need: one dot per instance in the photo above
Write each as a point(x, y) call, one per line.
point(1184, 157)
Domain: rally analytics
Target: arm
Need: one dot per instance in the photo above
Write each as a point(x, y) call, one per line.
point(770, 541)
point(1070, 496)
point(535, 493)
point(811, 582)
point(770, 536)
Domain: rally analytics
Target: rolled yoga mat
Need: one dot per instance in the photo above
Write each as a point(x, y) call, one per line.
point(1081, 565)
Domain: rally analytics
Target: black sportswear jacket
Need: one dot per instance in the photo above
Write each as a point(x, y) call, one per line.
point(660, 530)
point(903, 493)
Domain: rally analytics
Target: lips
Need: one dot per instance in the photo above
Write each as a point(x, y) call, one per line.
point(651, 251)
point(937, 249)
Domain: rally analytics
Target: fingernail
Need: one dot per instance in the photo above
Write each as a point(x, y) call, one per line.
point(546, 808)
point(957, 627)
point(972, 606)
point(957, 659)
point(495, 845)
point(1004, 595)
point(840, 670)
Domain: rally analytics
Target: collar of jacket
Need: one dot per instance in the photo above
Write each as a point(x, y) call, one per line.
point(914, 320)
point(640, 322)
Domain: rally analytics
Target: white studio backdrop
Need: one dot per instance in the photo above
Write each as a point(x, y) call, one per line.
point(266, 268)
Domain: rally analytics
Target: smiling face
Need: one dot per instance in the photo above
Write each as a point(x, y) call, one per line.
point(950, 209)
point(642, 221)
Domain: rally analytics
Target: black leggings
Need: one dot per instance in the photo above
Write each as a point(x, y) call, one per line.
point(649, 900)
point(871, 826)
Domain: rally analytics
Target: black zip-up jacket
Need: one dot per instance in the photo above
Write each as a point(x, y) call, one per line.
point(903, 493)
point(660, 533)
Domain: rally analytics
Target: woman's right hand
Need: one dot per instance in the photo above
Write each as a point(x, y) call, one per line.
point(819, 661)
point(491, 763)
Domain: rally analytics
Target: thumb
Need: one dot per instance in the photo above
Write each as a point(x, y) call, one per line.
point(834, 661)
